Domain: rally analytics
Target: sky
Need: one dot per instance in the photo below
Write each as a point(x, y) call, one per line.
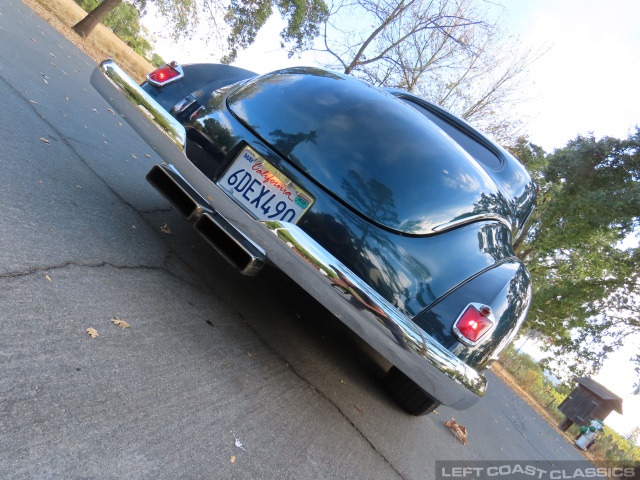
point(587, 82)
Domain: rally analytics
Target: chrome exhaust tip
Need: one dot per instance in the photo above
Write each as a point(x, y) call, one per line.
point(178, 192)
point(234, 246)
point(239, 250)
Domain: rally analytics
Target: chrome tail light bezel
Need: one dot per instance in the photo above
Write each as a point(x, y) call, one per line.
point(480, 308)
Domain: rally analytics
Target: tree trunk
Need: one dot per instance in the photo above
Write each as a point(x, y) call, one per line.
point(85, 26)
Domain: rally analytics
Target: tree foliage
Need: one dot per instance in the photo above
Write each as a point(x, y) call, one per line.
point(453, 52)
point(585, 270)
point(246, 17)
point(181, 15)
point(243, 19)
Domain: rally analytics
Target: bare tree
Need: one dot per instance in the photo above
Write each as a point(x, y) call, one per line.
point(449, 51)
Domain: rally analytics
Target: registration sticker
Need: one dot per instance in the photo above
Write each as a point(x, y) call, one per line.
point(262, 190)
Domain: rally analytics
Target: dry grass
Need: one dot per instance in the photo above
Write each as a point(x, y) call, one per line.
point(102, 43)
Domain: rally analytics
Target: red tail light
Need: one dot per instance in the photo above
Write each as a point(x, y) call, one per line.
point(474, 323)
point(165, 75)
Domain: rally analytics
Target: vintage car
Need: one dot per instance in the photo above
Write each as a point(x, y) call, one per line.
point(394, 214)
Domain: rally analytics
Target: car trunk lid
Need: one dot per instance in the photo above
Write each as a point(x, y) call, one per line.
point(374, 152)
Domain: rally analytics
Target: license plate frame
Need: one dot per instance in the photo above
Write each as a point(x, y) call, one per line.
point(262, 190)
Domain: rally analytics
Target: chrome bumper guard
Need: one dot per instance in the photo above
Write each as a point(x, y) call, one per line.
point(434, 368)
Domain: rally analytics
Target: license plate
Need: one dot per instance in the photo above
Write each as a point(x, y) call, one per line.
point(262, 190)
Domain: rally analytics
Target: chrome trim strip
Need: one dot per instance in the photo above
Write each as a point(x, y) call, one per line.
point(471, 219)
point(183, 104)
point(434, 368)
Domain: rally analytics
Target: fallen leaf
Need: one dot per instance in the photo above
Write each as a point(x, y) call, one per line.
point(93, 333)
point(165, 229)
point(47, 277)
point(45, 141)
point(232, 459)
point(119, 322)
point(459, 431)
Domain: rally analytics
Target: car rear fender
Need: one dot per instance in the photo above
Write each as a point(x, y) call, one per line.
point(505, 288)
point(199, 79)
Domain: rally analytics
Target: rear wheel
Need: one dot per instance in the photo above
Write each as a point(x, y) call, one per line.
point(408, 394)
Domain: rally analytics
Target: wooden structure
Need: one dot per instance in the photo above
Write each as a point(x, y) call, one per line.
point(588, 401)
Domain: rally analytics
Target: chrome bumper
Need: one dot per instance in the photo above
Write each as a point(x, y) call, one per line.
point(435, 369)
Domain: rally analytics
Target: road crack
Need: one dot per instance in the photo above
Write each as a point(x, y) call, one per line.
point(103, 264)
point(51, 268)
point(142, 214)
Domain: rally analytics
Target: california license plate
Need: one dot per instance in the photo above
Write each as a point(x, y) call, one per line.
point(262, 190)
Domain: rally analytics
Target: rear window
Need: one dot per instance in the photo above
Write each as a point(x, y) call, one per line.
point(472, 146)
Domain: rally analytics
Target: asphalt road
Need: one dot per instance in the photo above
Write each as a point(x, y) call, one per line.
point(210, 357)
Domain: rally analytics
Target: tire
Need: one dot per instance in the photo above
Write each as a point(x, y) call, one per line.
point(408, 394)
